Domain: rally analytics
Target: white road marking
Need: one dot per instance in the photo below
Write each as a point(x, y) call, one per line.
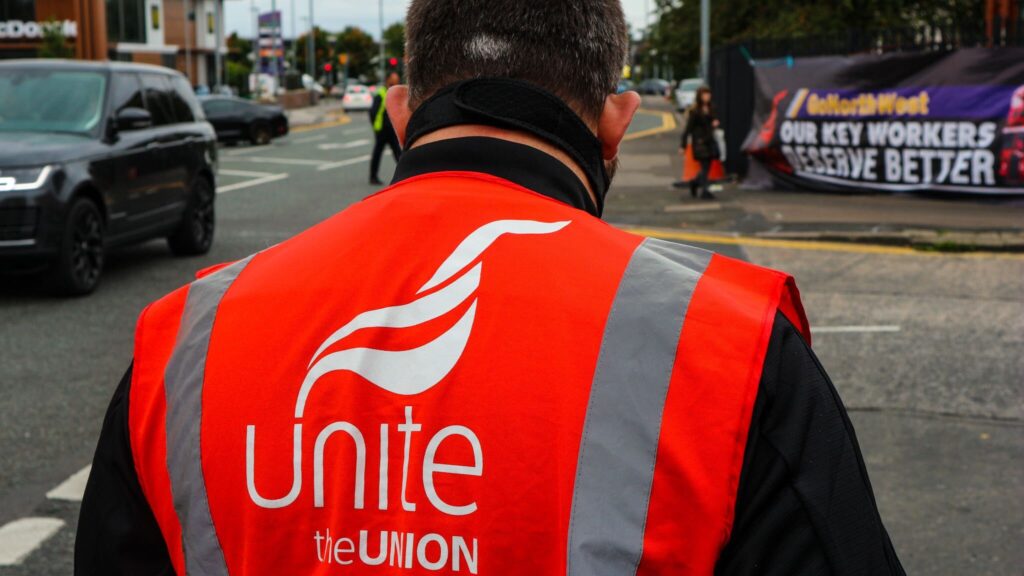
point(269, 160)
point(251, 183)
point(352, 131)
point(250, 150)
point(310, 139)
point(853, 329)
point(73, 488)
point(246, 173)
point(21, 537)
point(348, 162)
point(342, 146)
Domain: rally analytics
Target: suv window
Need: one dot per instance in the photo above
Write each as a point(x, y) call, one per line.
point(217, 106)
point(185, 102)
point(126, 92)
point(158, 99)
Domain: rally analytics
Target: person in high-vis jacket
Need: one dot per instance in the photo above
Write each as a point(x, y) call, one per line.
point(504, 384)
point(383, 132)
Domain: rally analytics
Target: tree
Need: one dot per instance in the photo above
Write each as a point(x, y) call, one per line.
point(321, 50)
point(677, 31)
point(361, 50)
point(394, 41)
point(239, 49)
point(239, 63)
point(55, 44)
point(238, 76)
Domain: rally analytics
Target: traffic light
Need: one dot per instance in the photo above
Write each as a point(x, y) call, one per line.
point(393, 62)
point(328, 67)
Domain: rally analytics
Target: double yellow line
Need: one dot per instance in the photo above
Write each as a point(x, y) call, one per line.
point(668, 123)
point(339, 120)
point(705, 238)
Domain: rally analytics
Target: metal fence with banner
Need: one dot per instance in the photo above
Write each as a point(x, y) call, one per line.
point(732, 68)
point(927, 121)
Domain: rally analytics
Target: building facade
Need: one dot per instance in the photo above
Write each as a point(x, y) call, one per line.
point(184, 34)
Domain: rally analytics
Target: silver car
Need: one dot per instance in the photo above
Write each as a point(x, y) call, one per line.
point(686, 92)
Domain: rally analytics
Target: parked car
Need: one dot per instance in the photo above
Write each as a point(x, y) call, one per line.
point(624, 85)
point(309, 84)
point(357, 97)
point(236, 119)
point(686, 92)
point(654, 86)
point(98, 155)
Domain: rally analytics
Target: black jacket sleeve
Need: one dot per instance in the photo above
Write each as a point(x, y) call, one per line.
point(117, 532)
point(377, 103)
point(805, 505)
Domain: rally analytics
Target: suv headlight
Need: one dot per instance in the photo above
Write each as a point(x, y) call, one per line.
point(24, 178)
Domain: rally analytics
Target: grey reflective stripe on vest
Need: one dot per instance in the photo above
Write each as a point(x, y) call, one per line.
point(623, 422)
point(183, 386)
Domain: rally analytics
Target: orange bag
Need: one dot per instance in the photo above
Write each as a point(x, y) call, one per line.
point(691, 167)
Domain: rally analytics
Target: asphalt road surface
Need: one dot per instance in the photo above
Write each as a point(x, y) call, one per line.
point(926, 350)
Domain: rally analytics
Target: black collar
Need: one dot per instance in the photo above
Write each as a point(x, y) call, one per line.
point(517, 163)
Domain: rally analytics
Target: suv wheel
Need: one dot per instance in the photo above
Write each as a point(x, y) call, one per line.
point(194, 234)
point(80, 262)
point(260, 134)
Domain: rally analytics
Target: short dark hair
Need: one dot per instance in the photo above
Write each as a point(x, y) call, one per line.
point(573, 48)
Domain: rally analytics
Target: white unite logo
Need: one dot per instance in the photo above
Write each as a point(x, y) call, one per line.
point(402, 372)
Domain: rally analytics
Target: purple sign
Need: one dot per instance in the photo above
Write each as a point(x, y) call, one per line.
point(271, 44)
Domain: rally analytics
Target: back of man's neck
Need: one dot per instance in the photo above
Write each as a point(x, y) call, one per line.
point(484, 131)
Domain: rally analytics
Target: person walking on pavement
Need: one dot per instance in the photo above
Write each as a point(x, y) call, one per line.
point(471, 372)
point(383, 132)
point(700, 130)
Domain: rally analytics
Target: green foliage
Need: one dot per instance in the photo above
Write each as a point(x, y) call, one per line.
point(238, 76)
point(394, 40)
point(55, 44)
point(239, 49)
point(361, 50)
point(677, 31)
point(321, 50)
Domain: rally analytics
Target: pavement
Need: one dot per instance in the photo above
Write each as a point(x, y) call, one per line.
point(924, 347)
point(941, 223)
point(328, 111)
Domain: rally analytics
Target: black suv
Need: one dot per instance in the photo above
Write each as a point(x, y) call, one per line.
point(98, 155)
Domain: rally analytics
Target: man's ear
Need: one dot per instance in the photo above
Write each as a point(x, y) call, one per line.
point(397, 105)
point(615, 118)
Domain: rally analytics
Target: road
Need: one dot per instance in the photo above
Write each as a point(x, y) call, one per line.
point(926, 350)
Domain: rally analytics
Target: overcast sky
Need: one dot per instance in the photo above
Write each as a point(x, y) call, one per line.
point(336, 14)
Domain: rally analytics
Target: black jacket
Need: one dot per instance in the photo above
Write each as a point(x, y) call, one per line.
point(700, 127)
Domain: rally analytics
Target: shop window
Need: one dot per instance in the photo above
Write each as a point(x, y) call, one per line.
point(126, 21)
point(24, 10)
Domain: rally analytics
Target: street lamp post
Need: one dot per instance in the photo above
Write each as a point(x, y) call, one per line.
point(294, 56)
point(188, 43)
point(705, 37)
point(273, 47)
point(382, 68)
point(310, 50)
point(218, 11)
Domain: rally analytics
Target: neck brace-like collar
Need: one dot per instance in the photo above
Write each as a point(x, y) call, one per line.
point(514, 105)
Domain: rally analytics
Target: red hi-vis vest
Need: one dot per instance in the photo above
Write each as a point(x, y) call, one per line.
point(454, 376)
